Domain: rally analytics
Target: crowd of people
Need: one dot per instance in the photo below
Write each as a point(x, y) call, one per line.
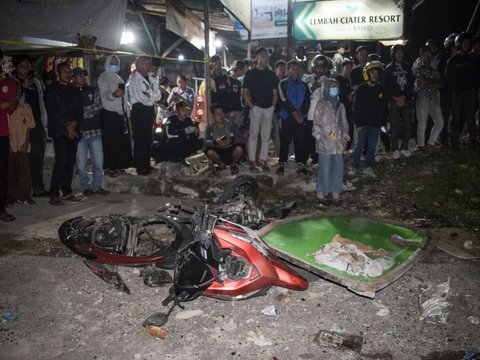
point(314, 110)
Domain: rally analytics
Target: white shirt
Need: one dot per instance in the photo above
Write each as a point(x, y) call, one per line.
point(107, 84)
point(143, 90)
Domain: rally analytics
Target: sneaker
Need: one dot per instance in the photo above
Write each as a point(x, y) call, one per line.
point(56, 201)
point(406, 153)
point(186, 163)
point(71, 197)
point(100, 192)
point(352, 171)
point(87, 192)
point(335, 196)
point(281, 169)
point(396, 155)
point(44, 193)
point(369, 172)
point(320, 196)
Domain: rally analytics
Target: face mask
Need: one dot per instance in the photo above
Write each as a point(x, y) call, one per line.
point(115, 68)
point(333, 92)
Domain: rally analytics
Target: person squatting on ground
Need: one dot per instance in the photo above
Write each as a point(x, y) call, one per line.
point(427, 83)
point(33, 91)
point(65, 110)
point(260, 95)
point(8, 104)
point(294, 99)
point(117, 148)
point(330, 130)
point(181, 136)
point(463, 78)
point(90, 144)
point(143, 94)
point(399, 83)
point(19, 180)
point(370, 114)
point(224, 143)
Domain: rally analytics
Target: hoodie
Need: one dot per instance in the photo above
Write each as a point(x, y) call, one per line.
point(108, 82)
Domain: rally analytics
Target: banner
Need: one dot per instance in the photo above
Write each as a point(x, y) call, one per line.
point(62, 20)
point(242, 10)
point(348, 20)
point(185, 24)
point(269, 20)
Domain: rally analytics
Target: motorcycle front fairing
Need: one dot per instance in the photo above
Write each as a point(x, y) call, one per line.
point(251, 267)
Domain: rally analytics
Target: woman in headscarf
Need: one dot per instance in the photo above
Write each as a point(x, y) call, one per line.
point(330, 129)
point(117, 146)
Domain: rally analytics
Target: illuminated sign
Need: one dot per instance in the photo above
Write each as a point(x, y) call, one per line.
point(348, 20)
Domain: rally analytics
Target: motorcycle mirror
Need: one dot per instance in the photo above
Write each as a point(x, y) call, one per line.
point(157, 319)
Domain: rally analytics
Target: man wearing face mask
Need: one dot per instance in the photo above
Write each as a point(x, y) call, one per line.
point(143, 94)
point(117, 148)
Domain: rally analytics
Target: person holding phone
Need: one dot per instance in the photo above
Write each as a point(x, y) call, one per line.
point(117, 148)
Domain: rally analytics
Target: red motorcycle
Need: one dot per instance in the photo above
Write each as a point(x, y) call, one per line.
point(210, 254)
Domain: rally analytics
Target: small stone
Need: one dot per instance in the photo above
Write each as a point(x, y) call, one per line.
point(137, 356)
point(473, 320)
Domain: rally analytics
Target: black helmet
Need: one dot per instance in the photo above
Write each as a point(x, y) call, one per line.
point(461, 37)
point(322, 60)
point(434, 45)
point(394, 49)
point(370, 66)
point(450, 41)
point(346, 61)
point(374, 57)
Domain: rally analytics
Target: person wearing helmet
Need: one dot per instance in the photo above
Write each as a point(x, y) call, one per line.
point(345, 94)
point(445, 91)
point(427, 83)
point(369, 114)
point(462, 76)
point(399, 91)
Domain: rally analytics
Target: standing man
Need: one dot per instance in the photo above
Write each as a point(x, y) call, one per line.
point(234, 110)
point(260, 95)
point(276, 56)
point(33, 89)
point(361, 53)
point(117, 148)
point(143, 93)
point(294, 104)
point(462, 76)
point(65, 111)
point(338, 58)
point(280, 73)
point(8, 103)
point(399, 90)
point(91, 136)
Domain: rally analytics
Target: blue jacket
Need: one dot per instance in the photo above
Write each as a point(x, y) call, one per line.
point(294, 95)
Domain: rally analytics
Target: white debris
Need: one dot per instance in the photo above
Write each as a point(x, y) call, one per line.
point(473, 320)
point(258, 339)
point(382, 309)
point(185, 191)
point(350, 259)
point(188, 314)
point(468, 244)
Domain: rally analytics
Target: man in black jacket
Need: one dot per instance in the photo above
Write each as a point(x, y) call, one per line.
point(399, 90)
point(181, 136)
point(65, 110)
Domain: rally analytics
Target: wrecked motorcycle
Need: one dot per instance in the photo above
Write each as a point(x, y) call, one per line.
point(210, 254)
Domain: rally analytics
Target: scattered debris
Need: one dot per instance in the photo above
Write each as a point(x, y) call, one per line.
point(271, 310)
point(382, 309)
point(283, 298)
point(473, 320)
point(435, 309)
point(334, 339)
point(156, 331)
point(258, 339)
point(9, 317)
point(188, 314)
point(456, 242)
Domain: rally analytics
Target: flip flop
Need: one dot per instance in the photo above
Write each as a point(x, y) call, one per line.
point(4, 216)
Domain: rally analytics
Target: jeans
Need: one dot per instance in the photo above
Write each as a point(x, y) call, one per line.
point(428, 106)
point(330, 173)
point(62, 174)
point(260, 123)
point(400, 120)
point(367, 136)
point(94, 147)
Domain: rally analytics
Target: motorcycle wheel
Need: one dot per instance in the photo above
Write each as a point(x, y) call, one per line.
point(240, 187)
